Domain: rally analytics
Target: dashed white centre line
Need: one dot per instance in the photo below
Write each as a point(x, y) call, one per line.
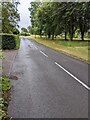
point(36, 47)
point(31, 44)
point(83, 84)
point(43, 53)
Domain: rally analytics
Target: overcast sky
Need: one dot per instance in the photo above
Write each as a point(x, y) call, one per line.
point(24, 13)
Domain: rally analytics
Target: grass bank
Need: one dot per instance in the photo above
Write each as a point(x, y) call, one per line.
point(78, 49)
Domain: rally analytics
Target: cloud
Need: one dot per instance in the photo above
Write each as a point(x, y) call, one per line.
point(24, 13)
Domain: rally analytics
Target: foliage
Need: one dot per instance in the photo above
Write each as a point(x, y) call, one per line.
point(8, 42)
point(2, 103)
point(10, 17)
point(55, 18)
point(24, 29)
point(1, 55)
point(25, 34)
point(2, 115)
point(5, 84)
point(17, 37)
point(16, 32)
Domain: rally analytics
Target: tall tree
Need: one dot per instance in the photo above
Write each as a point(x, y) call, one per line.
point(10, 17)
point(83, 18)
point(54, 18)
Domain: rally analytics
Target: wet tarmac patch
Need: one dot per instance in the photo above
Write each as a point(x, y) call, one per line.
point(29, 46)
point(13, 77)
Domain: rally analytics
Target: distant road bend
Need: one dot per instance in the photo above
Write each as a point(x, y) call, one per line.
point(50, 84)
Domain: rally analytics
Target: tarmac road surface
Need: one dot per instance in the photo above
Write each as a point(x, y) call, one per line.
point(50, 84)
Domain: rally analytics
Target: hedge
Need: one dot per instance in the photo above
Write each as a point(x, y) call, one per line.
point(17, 41)
point(8, 42)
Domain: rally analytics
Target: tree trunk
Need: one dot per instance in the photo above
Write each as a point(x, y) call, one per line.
point(40, 33)
point(53, 36)
point(71, 37)
point(82, 36)
point(65, 35)
point(82, 28)
point(49, 35)
point(71, 32)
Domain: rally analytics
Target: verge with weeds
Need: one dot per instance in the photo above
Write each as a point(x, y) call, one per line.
point(5, 87)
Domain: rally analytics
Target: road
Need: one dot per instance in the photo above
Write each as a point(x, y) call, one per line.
point(50, 84)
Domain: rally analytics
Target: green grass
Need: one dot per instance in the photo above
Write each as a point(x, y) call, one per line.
point(2, 115)
point(77, 49)
point(72, 43)
point(17, 41)
point(1, 55)
point(5, 84)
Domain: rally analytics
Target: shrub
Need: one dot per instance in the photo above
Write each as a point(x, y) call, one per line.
point(25, 34)
point(8, 42)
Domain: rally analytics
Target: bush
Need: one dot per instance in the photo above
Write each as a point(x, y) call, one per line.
point(25, 34)
point(8, 42)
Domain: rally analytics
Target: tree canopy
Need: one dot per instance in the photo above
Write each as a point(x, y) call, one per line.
point(55, 18)
point(10, 17)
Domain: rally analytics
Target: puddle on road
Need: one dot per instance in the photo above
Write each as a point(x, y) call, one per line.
point(13, 77)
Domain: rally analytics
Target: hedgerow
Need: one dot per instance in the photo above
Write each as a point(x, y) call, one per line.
point(8, 42)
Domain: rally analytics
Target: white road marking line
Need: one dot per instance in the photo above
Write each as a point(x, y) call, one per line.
point(83, 84)
point(31, 43)
point(36, 48)
point(43, 53)
point(33, 46)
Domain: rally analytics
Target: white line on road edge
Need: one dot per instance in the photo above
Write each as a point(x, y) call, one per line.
point(73, 76)
point(43, 53)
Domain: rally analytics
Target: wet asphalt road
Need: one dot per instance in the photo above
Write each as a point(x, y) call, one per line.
point(43, 89)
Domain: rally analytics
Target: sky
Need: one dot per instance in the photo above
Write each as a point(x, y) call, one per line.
point(24, 13)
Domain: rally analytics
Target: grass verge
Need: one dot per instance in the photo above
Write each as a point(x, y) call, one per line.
point(77, 49)
point(5, 86)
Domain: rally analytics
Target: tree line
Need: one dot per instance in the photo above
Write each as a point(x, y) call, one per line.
point(54, 18)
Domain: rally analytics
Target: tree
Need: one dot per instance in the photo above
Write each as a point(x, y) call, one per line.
point(33, 16)
point(54, 18)
point(24, 29)
point(83, 18)
point(10, 17)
